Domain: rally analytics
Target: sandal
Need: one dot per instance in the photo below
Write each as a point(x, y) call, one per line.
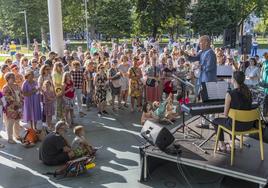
point(12, 142)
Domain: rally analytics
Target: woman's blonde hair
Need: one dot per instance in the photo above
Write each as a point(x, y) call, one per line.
point(22, 60)
point(42, 69)
point(57, 64)
point(28, 72)
point(8, 60)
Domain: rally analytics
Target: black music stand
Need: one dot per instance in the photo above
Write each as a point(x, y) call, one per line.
point(184, 84)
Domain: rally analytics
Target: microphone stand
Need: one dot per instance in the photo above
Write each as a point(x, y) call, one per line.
point(184, 84)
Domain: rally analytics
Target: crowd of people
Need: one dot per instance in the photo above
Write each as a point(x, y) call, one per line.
point(36, 90)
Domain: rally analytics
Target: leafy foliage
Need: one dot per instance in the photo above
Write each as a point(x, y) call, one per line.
point(12, 21)
point(113, 18)
point(213, 16)
point(151, 15)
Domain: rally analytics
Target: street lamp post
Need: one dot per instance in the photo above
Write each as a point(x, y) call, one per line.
point(86, 15)
point(26, 28)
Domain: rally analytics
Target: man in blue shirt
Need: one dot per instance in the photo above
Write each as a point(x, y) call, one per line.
point(208, 65)
point(207, 60)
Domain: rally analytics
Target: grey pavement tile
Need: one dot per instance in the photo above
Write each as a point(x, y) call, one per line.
point(117, 163)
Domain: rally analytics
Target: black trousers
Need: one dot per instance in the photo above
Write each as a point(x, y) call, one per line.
point(227, 122)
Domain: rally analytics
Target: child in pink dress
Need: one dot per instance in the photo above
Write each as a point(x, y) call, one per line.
point(49, 102)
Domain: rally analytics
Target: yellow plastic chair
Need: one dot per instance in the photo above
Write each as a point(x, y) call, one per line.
point(242, 116)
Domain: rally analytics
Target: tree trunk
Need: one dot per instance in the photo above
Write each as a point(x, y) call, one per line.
point(43, 33)
point(155, 27)
point(171, 33)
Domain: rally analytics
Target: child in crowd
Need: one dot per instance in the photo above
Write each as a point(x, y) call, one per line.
point(170, 113)
point(80, 145)
point(49, 102)
point(68, 97)
point(147, 113)
point(183, 71)
point(78, 78)
point(164, 111)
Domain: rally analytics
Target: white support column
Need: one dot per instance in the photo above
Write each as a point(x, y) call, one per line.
point(55, 26)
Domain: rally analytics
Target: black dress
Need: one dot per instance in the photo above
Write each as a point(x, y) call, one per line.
point(101, 88)
point(239, 102)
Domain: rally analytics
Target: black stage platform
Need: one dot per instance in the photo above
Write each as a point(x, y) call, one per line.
point(247, 163)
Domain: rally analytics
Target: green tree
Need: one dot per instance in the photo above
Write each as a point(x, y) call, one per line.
point(12, 21)
point(152, 15)
point(213, 16)
point(262, 27)
point(73, 16)
point(113, 18)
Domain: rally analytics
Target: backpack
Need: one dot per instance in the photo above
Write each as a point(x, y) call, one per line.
point(75, 167)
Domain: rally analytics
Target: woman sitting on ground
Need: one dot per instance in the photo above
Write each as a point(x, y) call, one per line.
point(240, 99)
point(164, 111)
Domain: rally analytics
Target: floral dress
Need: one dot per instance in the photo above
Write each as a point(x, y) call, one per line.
point(135, 84)
point(13, 108)
point(100, 81)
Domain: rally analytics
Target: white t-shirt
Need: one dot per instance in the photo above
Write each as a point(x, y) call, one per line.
point(252, 71)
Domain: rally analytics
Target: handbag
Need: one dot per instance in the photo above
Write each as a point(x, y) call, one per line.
point(116, 81)
point(151, 81)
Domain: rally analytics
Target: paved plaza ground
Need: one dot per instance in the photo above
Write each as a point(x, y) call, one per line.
point(117, 162)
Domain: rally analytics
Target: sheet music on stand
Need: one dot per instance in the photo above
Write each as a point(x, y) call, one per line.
point(214, 90)
point(224, 71)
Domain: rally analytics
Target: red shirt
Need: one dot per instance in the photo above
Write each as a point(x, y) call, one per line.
point(69, 94)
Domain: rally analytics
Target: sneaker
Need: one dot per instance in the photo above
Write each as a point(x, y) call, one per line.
point(202, 126)
point(105, 112)
point(99, 114)
point(82, 114)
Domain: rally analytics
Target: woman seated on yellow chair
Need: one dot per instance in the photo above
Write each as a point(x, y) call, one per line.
point(240, 99)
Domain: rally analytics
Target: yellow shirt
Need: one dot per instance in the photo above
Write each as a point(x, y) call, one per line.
point(57, 81)
point(12, 47)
